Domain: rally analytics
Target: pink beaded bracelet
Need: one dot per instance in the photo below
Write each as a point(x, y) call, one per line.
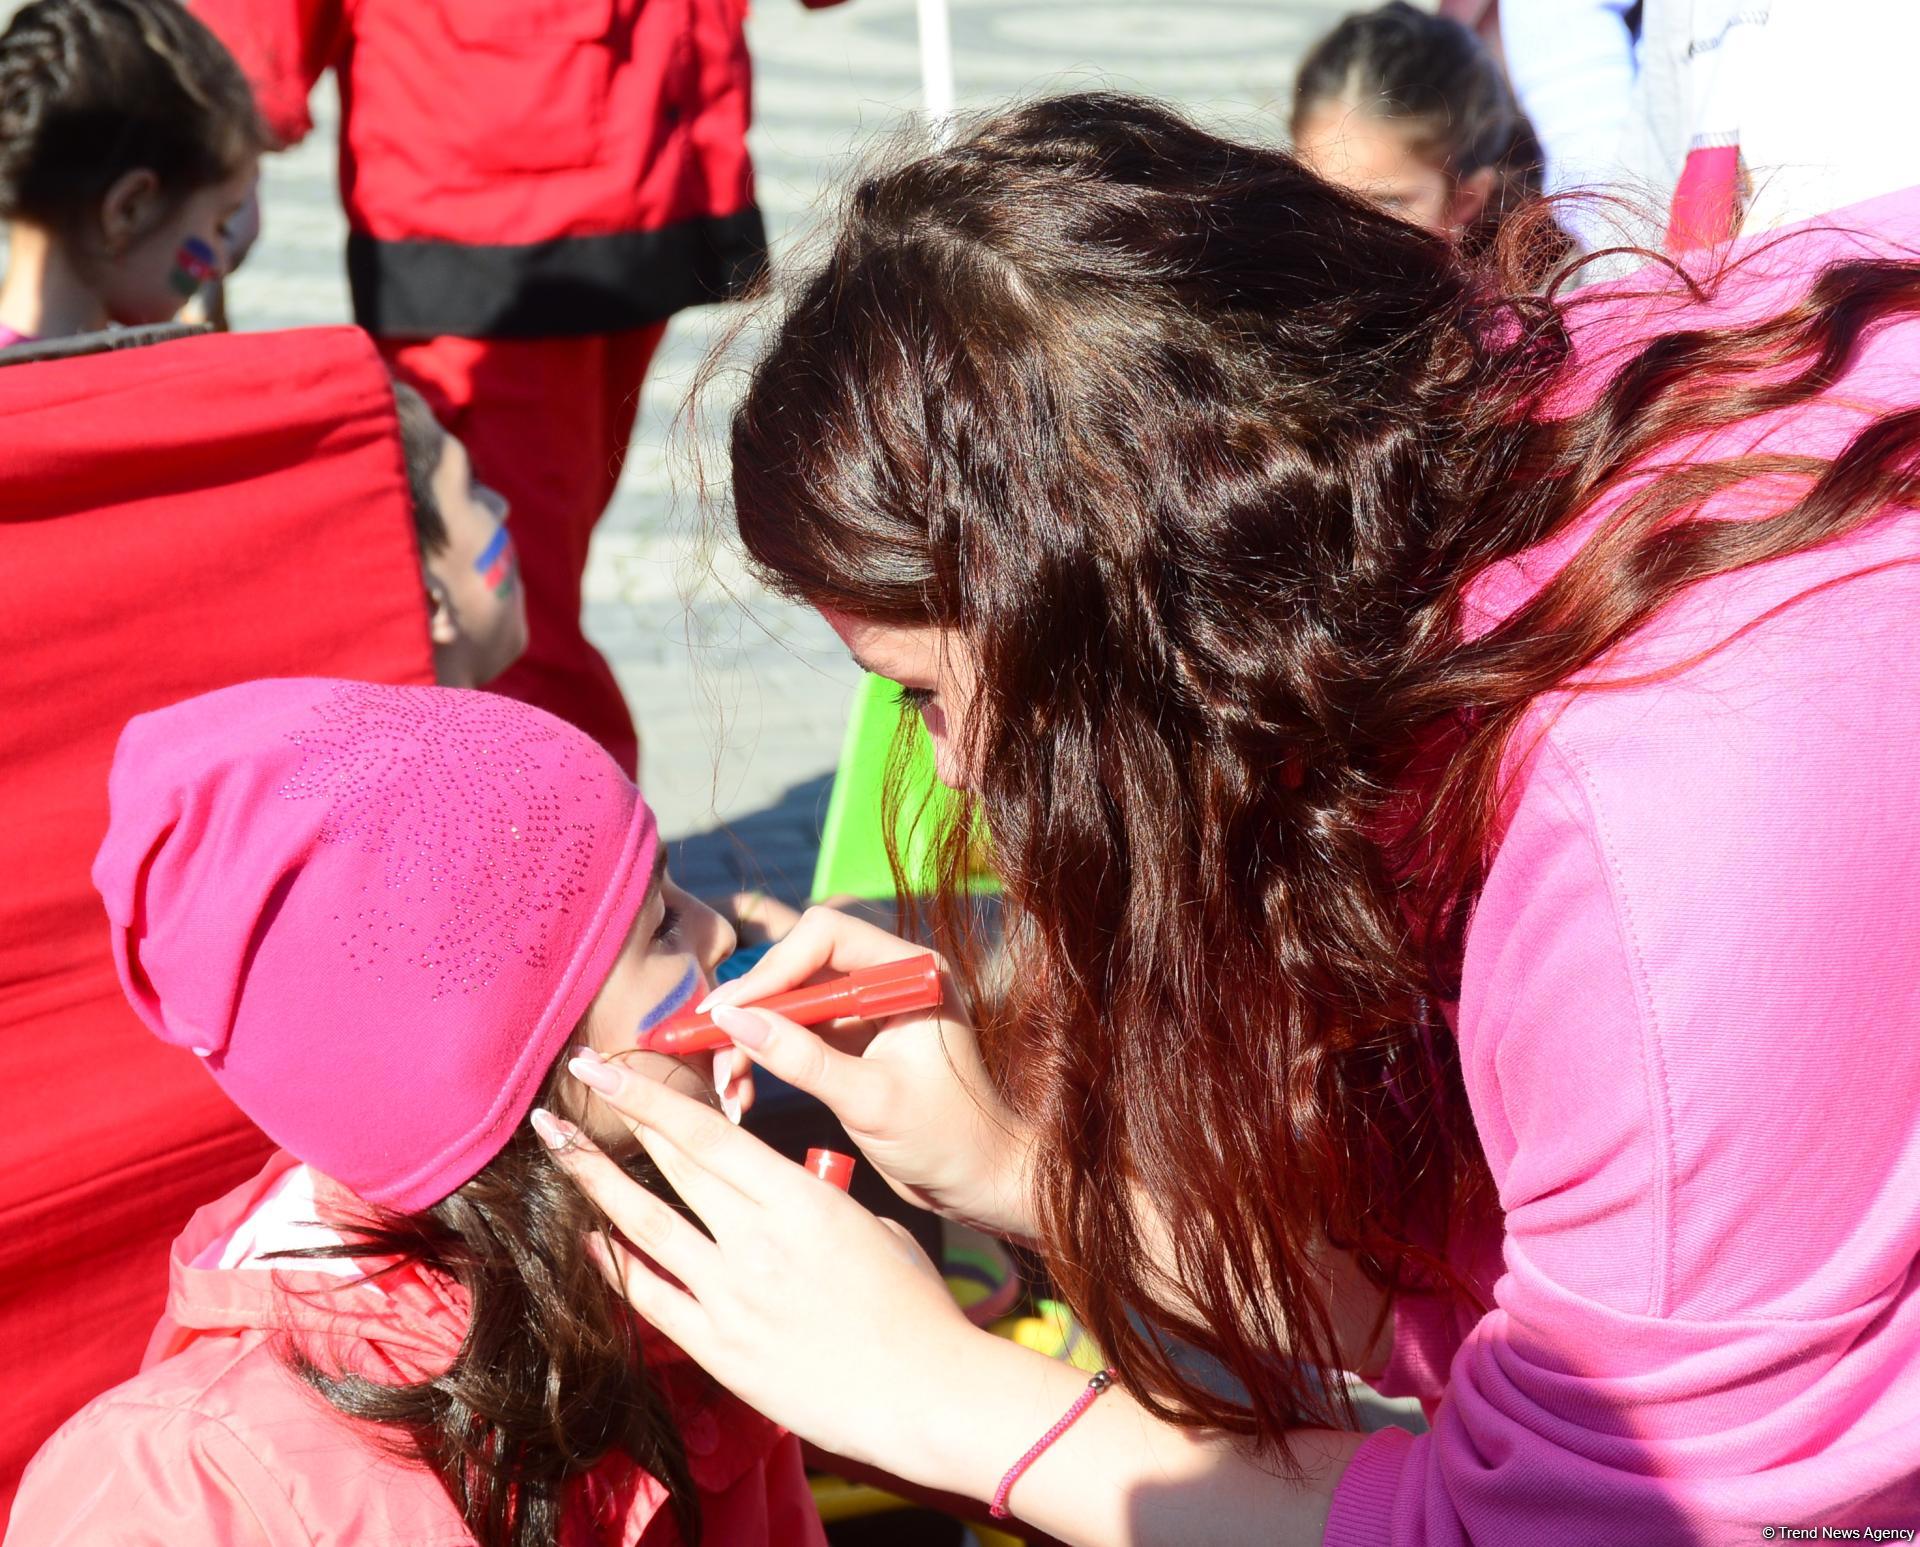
point(1100, 1382)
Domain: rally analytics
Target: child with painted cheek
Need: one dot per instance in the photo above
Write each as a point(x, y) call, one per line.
point(129, 153)
point(386, 919)
point(476, 604)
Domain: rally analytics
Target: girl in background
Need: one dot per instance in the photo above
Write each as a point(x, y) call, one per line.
point(129, 149)
point(1412, 110)
point(391, 921)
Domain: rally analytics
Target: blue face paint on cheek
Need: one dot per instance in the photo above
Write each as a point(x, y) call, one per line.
point(682, 992)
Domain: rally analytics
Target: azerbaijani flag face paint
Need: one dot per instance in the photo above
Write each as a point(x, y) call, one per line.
point(499, 566)
point(682, 992)
point(193, 265)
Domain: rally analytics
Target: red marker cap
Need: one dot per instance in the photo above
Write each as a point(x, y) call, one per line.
point(831, 1166)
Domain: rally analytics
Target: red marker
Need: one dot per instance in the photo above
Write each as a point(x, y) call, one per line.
point(890, 989)
point(831, 1166)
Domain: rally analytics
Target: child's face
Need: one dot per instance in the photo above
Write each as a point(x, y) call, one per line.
point(666, 965)
point(480, 609)
point(1378, 159)
point(156, 263)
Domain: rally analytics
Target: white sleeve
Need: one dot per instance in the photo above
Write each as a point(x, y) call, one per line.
point(1572, 67)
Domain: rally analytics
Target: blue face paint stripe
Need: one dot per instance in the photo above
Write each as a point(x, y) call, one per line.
point(682, 992)
point(494, 549)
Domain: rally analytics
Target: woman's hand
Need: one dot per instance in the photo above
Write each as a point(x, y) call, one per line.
point(833, 1324)
point(911, 1091)
point(828, 1320)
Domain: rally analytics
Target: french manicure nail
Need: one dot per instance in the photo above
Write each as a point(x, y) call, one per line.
point(594, 1073)
point(722, 995)
point(747, 1027)
point(555, 1132)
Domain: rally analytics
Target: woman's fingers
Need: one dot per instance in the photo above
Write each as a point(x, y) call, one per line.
point(673, 1311)
point(643, 1219)
point(708, 1152)
point(854, 1087)
point(822, 942)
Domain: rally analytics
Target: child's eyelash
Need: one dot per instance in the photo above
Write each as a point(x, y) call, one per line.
point(913, 698)
point(669, 922)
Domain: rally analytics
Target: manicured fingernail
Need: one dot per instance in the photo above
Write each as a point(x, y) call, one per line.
point(747, 1027)
point(724, 994)
point(723, 1085)
point(555, 1132)
point(594, 1074)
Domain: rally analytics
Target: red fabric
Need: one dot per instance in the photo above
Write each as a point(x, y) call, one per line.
point(512, 120)
point(546, 422)
point(177, 518)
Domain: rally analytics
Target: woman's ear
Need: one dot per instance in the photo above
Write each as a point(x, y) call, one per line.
point(129, 209)
point(1470, 196)
point(443, 627)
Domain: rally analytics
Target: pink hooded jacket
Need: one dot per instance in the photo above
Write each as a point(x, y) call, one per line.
point(1690, 1034)
point(216, 1444)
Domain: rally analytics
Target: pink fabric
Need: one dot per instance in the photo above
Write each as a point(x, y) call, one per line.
point(214, 1443)
point(1706, 200)
point(11, 336)
point(1690, 1029)
point(377, 912)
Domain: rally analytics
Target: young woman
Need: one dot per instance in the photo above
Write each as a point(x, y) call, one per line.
point(1453, 757)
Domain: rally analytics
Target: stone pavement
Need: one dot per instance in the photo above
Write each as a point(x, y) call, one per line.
point(741, 698)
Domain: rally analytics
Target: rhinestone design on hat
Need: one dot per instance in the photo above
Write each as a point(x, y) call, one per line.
point(484, 843)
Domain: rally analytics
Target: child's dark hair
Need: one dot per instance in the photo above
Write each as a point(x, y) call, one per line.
point(93, 89)
point(549, 1378)
point(422, 439)
point(1433, 77)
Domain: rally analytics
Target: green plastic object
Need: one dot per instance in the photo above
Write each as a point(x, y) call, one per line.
point(853, 849)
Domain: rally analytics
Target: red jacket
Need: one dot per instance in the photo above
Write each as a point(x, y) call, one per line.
point(522, 168)
point(217, 1444)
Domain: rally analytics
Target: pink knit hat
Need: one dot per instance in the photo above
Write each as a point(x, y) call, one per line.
point(378, 913)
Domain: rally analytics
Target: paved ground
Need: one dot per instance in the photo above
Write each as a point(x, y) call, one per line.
point(741, 699)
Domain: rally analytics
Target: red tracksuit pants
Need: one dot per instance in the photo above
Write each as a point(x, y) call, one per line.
point(546, 422)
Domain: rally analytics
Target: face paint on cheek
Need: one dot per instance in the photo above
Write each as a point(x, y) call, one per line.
point(682, 992)
point(499, 566)
point(194, 264)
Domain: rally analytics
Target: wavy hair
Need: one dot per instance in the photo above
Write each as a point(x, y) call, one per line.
point(1198, 454)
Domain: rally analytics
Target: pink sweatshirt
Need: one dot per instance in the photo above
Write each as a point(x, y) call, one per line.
point(215, 1444)
point(1690, 1028)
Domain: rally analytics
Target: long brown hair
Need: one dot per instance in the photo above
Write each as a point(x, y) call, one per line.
point(1198, 454)
point(549, 1378)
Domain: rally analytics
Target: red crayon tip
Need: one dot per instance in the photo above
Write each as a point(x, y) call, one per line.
point(831, 1166)
point(892, 988)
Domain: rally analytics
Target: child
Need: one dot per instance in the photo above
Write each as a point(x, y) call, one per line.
point(1411, 110)
point(128, 144)
point(386, 918)
point(477, 608)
